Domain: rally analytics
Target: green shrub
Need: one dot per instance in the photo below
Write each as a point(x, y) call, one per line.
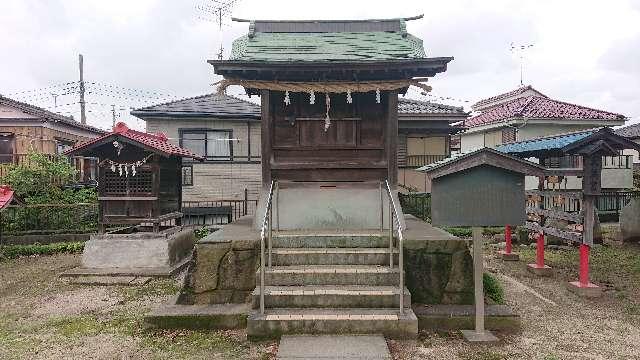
point(202, 232)
point(492, 288)
point(459, 231)
point(490, 231)
point(14, 251)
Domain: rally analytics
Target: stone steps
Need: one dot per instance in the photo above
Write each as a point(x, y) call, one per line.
point(276, 322)
point(299, 275)
point(329, 239)
point(331, 296)
point(333, 256)
point(331, 282)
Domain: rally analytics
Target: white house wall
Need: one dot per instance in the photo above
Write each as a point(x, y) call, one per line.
point(219, 180)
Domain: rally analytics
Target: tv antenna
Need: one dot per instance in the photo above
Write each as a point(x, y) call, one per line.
point(216, 11)
point(519, 50)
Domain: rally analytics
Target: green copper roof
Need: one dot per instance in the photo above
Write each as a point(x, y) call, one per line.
point(327, 46)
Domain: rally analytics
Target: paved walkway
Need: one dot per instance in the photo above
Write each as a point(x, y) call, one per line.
point(327, 347)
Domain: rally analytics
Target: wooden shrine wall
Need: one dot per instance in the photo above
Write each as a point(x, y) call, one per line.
point(354, 148)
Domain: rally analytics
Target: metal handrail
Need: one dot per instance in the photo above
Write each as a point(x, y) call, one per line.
point(266, 219)
point(401, 226)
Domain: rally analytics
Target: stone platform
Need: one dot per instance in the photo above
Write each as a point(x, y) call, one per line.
point(136, 254)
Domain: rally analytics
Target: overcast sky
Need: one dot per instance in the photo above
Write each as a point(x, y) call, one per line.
point(141, 51)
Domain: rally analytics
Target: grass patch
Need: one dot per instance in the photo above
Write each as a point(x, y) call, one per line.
point(617, 266)
point(154, 288)
point(186, 343)
point(76, 326)
point(15, 251)
point(466, 231)
point(492, 288)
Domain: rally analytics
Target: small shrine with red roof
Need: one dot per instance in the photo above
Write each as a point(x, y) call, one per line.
point(139, 177)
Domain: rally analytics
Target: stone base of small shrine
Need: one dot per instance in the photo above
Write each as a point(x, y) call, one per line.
point(589, 290)
point(508, 256)
point(136, 254)
point(540, 270)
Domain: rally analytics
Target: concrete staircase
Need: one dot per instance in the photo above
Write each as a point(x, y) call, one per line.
point(331, 282)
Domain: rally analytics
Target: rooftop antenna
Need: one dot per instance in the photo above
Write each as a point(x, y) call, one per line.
point(55, 101)
point(216, 11)
point(519, 49)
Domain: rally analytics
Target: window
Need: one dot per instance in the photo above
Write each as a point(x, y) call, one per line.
point(7, 144)
point(63, 145)
point(212, 144)
point(187, 176)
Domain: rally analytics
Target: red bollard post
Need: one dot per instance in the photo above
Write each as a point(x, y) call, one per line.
point(539, 268)
point(584, 287)
point(507, 239)
point(540, 250)
point(584, 265)
point(507, 254)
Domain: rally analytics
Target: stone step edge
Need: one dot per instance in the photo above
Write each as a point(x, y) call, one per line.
point(347, 290)
point(333, 251)
point(290, 235)
point(328, 269)
point(324, 314)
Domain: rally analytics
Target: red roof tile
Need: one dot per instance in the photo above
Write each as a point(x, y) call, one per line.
point(6, 195)
point(536, 107)
point(506, 95)
point(157, 142)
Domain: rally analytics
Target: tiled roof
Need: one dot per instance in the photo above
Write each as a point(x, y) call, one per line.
point(46, 115)
point(156, 142)
point(6, 195)
point(209, 105)
point(411, 106)
point(365, 40)
point(506, 95)
point(536, 107)
point(631, 131)
point(554, 142)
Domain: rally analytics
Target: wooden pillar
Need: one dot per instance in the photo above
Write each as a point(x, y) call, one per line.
point(391, 139)
point(591, 187)
point(479, 334)
point(267, 125)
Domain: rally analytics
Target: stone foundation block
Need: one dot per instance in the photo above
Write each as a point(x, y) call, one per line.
point(540, 270)
point(590, 290)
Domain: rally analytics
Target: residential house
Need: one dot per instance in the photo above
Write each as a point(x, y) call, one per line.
point(25, 128)
point(227, 130)
point(223, 129)
point(632, 132)
point(424, 137)
point(527, 114)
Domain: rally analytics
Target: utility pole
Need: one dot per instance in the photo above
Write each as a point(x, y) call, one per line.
point(83, 116)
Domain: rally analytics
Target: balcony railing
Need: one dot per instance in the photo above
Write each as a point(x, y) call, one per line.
point(575, 162)
point(86, 167)
point(422, 160)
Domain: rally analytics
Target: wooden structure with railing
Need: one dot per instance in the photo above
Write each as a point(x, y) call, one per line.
point(140, 180)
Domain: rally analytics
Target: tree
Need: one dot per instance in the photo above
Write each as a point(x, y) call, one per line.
point(41, 179)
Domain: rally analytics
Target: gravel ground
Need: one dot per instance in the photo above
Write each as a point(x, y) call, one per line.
point(564, 327)
point(42, 317)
